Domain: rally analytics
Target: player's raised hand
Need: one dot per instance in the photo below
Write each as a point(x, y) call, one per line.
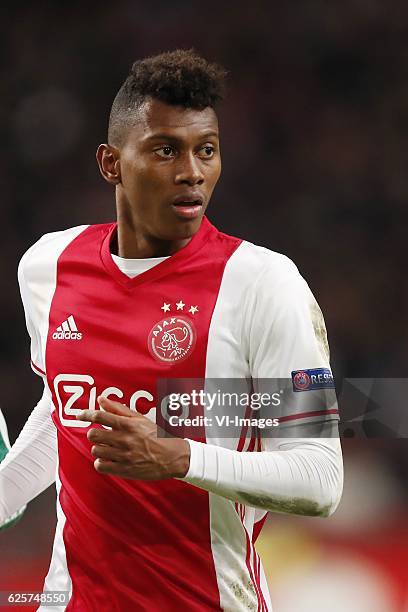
point(131, 448)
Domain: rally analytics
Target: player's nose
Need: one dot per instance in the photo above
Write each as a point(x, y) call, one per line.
point(189, 171)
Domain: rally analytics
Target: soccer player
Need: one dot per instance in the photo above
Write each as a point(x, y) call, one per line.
point(148, 522)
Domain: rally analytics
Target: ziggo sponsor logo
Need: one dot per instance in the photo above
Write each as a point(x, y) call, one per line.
point(71, 388)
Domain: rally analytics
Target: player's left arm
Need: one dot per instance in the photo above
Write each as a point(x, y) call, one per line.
point(299, 475)
point(300, 470)
point(303, 477)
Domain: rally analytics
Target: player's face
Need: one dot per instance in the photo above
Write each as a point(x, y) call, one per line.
point(169, 166)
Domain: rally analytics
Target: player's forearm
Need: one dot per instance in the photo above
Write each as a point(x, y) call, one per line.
point(306, 478)
point(4, 450)
point(29, 467)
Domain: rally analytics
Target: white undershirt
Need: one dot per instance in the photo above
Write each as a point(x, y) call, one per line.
point(306, 469)
point(133, 267)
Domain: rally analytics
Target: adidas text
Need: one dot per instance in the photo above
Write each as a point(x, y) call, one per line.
point(68, 335)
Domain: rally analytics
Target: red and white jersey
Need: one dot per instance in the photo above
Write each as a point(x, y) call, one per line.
point(157, 545)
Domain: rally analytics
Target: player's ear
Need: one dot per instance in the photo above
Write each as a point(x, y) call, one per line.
point(108, 162)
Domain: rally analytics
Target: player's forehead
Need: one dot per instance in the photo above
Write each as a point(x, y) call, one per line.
point(156, 119)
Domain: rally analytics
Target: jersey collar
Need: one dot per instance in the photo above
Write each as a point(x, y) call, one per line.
point(171, 264)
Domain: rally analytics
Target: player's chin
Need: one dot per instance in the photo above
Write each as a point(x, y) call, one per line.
point(184, 224)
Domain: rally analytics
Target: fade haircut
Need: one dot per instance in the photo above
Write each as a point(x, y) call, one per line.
point(178, 78)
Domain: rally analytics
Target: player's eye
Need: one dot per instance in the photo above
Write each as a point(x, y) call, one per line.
point(207, 151)
point(165, 151)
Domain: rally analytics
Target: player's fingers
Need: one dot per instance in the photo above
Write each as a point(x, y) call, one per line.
point(115, 468)
point(110, 453)
point(118, 439)
point(102, 418)
point(105, 466)
point(115, 407)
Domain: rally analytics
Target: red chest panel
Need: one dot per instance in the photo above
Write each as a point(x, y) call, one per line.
point(112, 334)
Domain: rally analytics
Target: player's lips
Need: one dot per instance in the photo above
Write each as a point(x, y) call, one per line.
point(188, 205)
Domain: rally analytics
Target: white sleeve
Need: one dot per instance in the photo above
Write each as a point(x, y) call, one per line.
point(37, 279)
point(29, 468)
point(302, 474)
point(304, 478)
point(30, 314)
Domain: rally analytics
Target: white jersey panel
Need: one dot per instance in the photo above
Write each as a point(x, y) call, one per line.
point(228, 357)
point(58, 578)
point(37, 273)
point(236, 583)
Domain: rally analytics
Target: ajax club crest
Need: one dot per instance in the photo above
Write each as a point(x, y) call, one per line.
point(172, 339)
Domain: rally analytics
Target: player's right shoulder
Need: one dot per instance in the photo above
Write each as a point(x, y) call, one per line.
point(43, 255)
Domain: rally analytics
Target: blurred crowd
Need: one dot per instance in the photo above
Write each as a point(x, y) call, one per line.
point(314, 136)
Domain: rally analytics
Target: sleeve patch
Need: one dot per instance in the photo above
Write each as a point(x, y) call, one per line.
point(310, 380)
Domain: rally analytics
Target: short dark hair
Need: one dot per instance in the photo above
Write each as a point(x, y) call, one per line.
point(180, 78)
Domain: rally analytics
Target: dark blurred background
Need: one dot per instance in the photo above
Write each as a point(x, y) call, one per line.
point(314, 137)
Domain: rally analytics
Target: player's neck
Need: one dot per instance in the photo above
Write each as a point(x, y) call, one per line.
point(133, 244)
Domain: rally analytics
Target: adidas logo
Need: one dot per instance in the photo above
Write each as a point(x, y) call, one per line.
point(67, 330)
